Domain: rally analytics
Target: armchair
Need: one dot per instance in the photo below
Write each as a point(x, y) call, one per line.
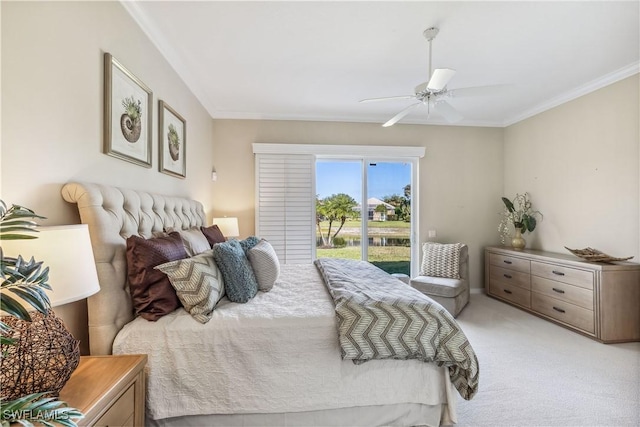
point(444, 275)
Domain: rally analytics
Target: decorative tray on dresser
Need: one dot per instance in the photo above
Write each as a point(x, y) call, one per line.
point(599, 300)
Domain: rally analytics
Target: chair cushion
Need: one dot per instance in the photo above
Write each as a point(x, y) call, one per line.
point(439, 286)
point(441, 260)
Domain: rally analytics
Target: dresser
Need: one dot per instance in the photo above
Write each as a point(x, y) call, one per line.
point(109, 390)
point(599, 300)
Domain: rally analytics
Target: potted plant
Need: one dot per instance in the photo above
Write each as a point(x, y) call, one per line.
point(26, 281)
point(130, 121)
point(174, 142)
point(519, 213)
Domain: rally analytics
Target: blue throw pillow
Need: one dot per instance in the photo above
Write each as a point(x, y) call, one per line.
point(239, 280)
point(248, 243)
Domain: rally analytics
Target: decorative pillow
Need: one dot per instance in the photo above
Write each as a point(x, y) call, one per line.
point(249, 243)
point(213, 235)
point(151, 292)
point(265, 264)
point(193, 239)
point(198, 283)
point(239, 281)
point(441, 260)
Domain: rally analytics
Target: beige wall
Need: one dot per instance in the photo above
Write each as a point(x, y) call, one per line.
point(580, 163)
point(52, 83)
point(460, 175)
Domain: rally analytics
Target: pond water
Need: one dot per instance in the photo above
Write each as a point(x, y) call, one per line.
point(375, 241)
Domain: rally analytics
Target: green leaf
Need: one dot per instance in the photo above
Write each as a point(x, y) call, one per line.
point(508, 204)
point(32, 297)
point(17, 237)
point(13, 307)
point(530, 222)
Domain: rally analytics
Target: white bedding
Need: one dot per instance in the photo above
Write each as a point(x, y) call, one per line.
point(277, 353)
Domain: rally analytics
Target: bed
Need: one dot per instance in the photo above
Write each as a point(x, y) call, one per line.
point(275, 360)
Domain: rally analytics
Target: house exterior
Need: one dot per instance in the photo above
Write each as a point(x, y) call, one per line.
point(375, 213)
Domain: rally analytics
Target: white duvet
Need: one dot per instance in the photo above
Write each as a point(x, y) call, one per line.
point(277, 353)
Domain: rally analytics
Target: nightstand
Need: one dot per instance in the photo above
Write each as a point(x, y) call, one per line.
point(109, 390)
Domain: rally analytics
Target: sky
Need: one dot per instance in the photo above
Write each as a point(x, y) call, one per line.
point(385, 178)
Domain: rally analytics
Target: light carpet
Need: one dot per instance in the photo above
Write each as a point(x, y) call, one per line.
point(536, 373)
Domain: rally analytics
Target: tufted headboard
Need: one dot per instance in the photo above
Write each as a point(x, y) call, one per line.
point(113, 214)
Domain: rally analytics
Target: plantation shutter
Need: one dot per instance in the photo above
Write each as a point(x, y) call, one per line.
point(285, 205)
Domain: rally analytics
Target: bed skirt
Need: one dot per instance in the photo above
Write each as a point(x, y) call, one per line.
point(404, 414)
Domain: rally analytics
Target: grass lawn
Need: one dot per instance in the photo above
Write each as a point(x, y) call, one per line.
point(392, 259)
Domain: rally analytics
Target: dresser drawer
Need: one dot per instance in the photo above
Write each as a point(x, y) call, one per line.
point(569, 293)
point(511, 293)
point(121, 413)
point(515, 278)
point(573, 276)
point(570, 314)
point(512, 263)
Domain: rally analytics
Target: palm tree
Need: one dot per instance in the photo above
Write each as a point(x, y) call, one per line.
point(337, 207)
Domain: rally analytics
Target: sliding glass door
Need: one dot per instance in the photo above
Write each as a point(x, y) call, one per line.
point(389, 216)
point(364, 211)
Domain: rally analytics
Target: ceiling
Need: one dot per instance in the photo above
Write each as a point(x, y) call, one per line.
point(315, 60)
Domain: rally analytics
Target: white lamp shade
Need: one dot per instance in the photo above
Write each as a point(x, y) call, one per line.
point(228, 226)
point(66, 250)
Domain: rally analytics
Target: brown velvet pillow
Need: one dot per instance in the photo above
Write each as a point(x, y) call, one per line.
point(151, 292)
point(213, 234)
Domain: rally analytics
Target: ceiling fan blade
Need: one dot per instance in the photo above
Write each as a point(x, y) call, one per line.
point(387, 98)
point(440, 78)
point(401, 114)
point(448, 112)
point(492, 90)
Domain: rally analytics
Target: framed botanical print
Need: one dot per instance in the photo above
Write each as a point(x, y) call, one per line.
point(128, 104)
point(172, 141)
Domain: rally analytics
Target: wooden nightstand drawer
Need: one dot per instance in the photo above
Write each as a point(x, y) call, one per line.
point(512, 263)
point(109, 390)
point(511, 293)
point(572, 294)
point(563, 311)
point(510, 277)
point(573, 276)
point(121, 413)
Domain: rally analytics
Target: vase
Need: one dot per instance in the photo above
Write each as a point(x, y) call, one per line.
point(517, 241)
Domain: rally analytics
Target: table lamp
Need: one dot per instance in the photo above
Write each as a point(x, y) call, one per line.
point(45, 353)
point(228, 226)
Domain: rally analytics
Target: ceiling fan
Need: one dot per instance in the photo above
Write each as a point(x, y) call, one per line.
point(434, 92)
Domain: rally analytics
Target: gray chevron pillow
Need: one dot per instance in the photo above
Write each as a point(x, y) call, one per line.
point(441, 260)
point(197, 282)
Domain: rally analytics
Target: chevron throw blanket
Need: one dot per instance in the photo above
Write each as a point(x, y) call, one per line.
point(380, 317)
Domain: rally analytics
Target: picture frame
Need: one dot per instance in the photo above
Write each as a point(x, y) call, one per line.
point(128, 107)
point(172, 141)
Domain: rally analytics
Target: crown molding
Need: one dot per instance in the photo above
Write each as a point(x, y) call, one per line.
point(582, 90)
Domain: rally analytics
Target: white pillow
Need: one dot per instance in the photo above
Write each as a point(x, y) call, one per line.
point(441, 260)
point(197, 282)
point(265, 264)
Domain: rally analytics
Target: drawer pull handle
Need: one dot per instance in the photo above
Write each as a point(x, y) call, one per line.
point(559, 309)
point(506, 261)
point(558, 273)
point(507, 291)
point(508, 276)
point(560, 291)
